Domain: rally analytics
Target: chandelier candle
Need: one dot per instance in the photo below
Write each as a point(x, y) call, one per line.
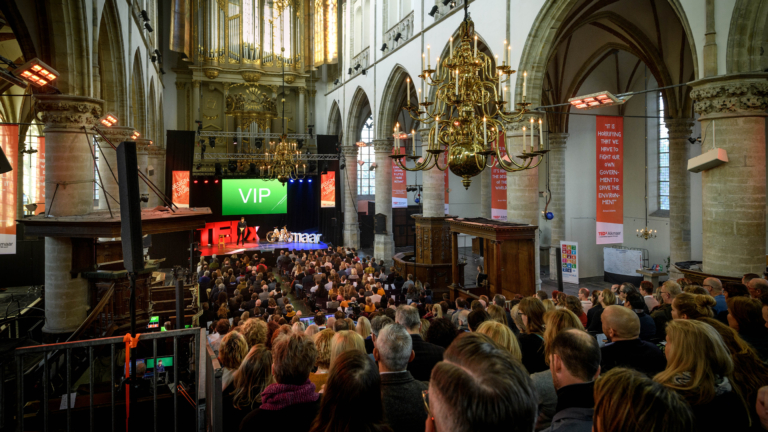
point(475, 46)
point(428, 59)
point(541, 134)
point(408, 85)
point(525, 83)
point(532, 129)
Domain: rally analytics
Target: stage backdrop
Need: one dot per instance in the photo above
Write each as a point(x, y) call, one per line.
point(179, 153)
point(181, 188)
point(610, 179)
point(399, 194)
point(328, 190)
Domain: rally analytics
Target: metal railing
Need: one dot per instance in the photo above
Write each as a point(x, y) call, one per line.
point(205, 386)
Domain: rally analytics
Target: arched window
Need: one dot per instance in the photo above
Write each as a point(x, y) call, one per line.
point(366, 178)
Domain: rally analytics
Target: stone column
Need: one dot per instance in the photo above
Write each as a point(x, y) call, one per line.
point(557, 142)
point(157, 158)
point(434, 184)
point(485, 193)
point(68, 175)
point(679, 193)
point(301, 126)
point(108, 164)
point(142, 156)
point(523, 194)
point(384, 244)
point(732, 115)
point(181, 105)
point(195, 103)
point(351, 226)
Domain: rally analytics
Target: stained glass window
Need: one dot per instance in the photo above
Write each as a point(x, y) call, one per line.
point(663, 159)
point(366, 179)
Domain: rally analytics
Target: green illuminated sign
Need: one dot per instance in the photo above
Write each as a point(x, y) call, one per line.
point(253, 197)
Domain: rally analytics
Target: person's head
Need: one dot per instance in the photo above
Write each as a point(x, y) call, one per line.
point(232, 350)
point(503, 336)
point(294, 356)
point(531, 310)
point(408, 316)
point(607, 297)
point(692, 306)
point(573, 304)
point(254, 331)
point(542, 295)
point(394, 348)
point(574, 357)
point(463, 319)
point(437, 310)
point(379, 323)
point(748, 277)
point(620, 323)
point(669, 290)
point(555, 296)
point(340, 324)
point(497, 313)
point(222, 326)
point(517, 317)
point(758, 287)
point(764, 301)
point(556, 321)
point(323, 345)
point(353, 378)
point(346, 340)
point(583, 294)
point(319, 319)
point(477, 317)
point(695, 348)
point(500, 300)
point(252, 377)
point(635, 301)
point(713, 286)
point(462, 400)
point(745, 315)
point(460, 303)
point(735, 290)
point(141, 369)
point(441, 332)
point(646, 288)
point(628, 401)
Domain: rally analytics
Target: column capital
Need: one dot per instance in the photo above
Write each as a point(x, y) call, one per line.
point(679, 128)
point(115, 135)
point(350, 150)
point(68, 112)
point(738, 95)
point(196, 83)
point(302, 90)
point(557, 140)
point(312, 93)
point(142, 145)
point(180, 85)
point(382, 146)
point(154, 150)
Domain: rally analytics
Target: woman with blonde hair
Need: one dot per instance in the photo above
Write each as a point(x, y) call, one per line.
point(502, 335)
point(497, 314)
point(437, 311)
point(346, 340)
point(424, 328)
point(517, 318)
point(692, 306)
point(232, 351)
point(297, 327)
point(363, 328)
point(254, 331)
point(323, 361)
point(250, 379)
point(532, 341)
point(312, 330)
point(700, 369)
point(555, 321)
point(548, 305)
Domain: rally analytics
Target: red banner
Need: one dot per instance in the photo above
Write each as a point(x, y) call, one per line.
point(9, 142)
point(181, 188)
point(399, 195)
point(40, 184)
point(610, 179)
point(328, 189)
point(499, 186)
point(446, 173)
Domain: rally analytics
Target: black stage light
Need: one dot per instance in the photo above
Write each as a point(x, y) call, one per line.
point(232, 167)
point(148, 27)
point(299, 144)
point(383, 47)
point(365, 72)
point(349, 72)
point(258, 143)
point(212, 142)
point(336, 81)
point(445, 2)
point(217, 168)
point(357, 66)
point(162, 71)
point(309, 129)
point(144, 15)
point(398, 37)
point(153, 58)
point(433, 11)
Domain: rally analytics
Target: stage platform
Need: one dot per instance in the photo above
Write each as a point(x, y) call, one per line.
point(252, 247)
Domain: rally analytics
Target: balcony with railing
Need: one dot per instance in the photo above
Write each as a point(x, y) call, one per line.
point(399, 33)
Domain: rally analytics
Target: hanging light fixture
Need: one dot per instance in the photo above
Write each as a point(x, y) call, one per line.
point(470, 112)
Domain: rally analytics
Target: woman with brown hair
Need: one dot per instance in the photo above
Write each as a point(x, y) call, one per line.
point(692, 306)
point(531, 310)
point(573, 304)
point(250, 379)
point(700, 369)
point(745, 315)
point(232, 351)
point(555, 321)
point(323, 361)
point(605, 298)
point(497, 314)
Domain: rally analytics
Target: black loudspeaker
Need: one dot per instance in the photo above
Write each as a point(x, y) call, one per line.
point(130, 207)
point(380, 224)
point(333, 222)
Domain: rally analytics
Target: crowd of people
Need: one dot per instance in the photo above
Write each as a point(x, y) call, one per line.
point(379, 353)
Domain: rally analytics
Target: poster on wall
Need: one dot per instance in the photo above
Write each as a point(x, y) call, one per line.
point(499, 187)
point(9, 138)
point(610, 179)
point(328, 190)
point(181, 188)
point(399, 194)
point(569, 255)
point(447, 182)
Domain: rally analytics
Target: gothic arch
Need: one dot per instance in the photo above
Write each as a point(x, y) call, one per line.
point(392, 101)
point(359, 111)
point(138, 97)
point(152, 112)
point(334, 120)
point(111, 63)
point(67, 43)
point(748, 32)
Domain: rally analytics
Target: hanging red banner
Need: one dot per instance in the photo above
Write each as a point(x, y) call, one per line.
point(328, 190)
point(181, 188)
point(399, 194)
point(499, 186)
point(610, 179)
point(39, 197)
point(9, 142)
point(446, 173)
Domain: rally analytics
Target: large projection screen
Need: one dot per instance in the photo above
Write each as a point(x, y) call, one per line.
point(253, 197)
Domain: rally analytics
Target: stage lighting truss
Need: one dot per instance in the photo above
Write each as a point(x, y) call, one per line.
point(597, 100)
point(36, 72)
point(108, 120)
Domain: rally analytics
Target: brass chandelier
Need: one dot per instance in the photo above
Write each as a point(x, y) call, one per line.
point(469, 113)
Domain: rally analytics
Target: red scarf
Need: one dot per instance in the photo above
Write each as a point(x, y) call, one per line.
point(279, 396)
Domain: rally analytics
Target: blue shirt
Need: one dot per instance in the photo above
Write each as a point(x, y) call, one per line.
point(721, 305)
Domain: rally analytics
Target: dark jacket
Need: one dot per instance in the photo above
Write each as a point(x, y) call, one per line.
point(402, 401)
point(711, 416)
point(426, 357)
point(575, 407)
point(647, 327)
point(661, 317)
point(594, 319)
point(532, 347)
point(758, 341)
point(295, 418)
point(636, 354)
point(308, 282)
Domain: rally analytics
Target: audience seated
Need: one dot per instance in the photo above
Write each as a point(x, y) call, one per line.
point(573, 304)
point(745, 316)
point(594, 316)
point(663, 314)
point(503, 336)
point(460, 399)
point(477, 317)
point(441, 332)
point(624, 348)
point(635, 302)
point(250, 379)
point(346, 340)
point(646, 290)
point(692, 306)
point(427, 354)
point(531, 340)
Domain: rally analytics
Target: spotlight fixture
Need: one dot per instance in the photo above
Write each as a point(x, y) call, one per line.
point(108, 120)
point(309, 129)
point(365, 72)
point(398, 36)
point(299, 143)
point(153, 58)
point(135, 135)
point(445, 2)
point(309, 180)
point(199, 126)
point(217, 170)
point(36, 72)
point(144, 15)
point(433, 11)
point(215, 180)
point(258, 143)
point(205, 181)
point(349, 72)
point(212, 142)
point(148, 27)
point(693, 140)
point(596, 100)
point(453, 4)
point(194, 181)
point(144, 198)
point(342, 166)
point(336, 81)
point(373, 166)
point(383, 47)
point(198, 166)
point(162, 71)
point(232, 166)
point(234, 141)
point(157, 52)
point(357, 66)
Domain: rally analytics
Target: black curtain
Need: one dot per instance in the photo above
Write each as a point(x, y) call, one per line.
point(173, 247)
point(331, 218)
point(179, 155)
point(28, 262)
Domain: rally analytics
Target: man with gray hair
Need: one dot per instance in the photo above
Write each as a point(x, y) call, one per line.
point(715, 288)
point(757, 288)
point(427, 355)
point(400, 392)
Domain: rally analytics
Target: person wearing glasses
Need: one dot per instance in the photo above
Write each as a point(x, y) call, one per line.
point(663, 314)
point(715, 289)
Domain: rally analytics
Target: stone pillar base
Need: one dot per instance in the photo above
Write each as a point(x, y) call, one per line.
point(384, 248)
point(553, 263)
point(66, 298)
point(352, 235)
